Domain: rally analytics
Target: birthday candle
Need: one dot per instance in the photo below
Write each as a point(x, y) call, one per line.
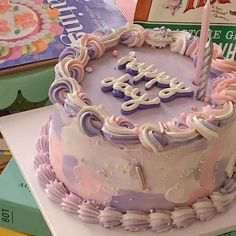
point(141, 178)
point(202, 40)
point(204, 73)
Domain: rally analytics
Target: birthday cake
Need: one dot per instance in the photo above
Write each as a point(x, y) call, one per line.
point(132, 142)
point(26, 27)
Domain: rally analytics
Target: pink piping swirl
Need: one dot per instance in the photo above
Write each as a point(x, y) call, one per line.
point(224, 89)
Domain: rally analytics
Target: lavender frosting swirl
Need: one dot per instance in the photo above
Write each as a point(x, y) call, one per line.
point(91, 120)
point(158, 37)
point(179, 43)
point(222, 201)
point(69, 67)
point(204, 209)
point(131, 35)
point(135, 220)
point(150, 136)
point(41, 158)
point(70, 203)
point(75, 102)
point(119, 130)
point(56, 191)
point(69, 52)
point(45, 174)
point(160, 221)
point(109, 39)
point(42, 144)
point(45, 129)
point(230, 183)
point(94, 44)
point(89, 212)
point(61, 87)
point(110, 217)
point(183, 217)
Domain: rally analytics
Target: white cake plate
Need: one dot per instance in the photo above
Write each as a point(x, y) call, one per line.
point(21, 132)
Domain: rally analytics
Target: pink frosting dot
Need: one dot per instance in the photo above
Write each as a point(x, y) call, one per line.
point(115, 53)
point(194, 108)
point(211, 118)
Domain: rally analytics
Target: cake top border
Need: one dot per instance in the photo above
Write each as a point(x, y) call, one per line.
point(93, 120)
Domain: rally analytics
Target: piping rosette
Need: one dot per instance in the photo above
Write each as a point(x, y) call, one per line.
point(26, 27)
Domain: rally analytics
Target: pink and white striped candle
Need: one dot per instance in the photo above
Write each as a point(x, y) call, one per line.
point(202, 40)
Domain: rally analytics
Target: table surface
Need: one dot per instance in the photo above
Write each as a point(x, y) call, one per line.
point(21, 132)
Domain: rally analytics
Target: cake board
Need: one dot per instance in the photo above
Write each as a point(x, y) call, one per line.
point(21, 132)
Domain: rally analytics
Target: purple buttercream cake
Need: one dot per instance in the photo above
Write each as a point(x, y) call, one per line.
point(128, 143)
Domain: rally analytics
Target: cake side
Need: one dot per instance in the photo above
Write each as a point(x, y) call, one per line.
point(95, 169)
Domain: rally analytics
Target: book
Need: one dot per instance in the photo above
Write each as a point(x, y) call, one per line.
point(8, 232)
point(18, 210)
point(35, 32)
point(127, 8)
point(232, 233)
point(187, 15)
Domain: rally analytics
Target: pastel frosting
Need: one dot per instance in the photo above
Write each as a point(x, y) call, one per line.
point(156, 220)
point(110, 170)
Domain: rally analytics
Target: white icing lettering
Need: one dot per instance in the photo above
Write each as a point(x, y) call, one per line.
point(108, 83)
point(124, 60)
point(124, 88)
point(134, 68)
point(177, 89)
point(121, 87)
point(138, 101)
point(157, 79)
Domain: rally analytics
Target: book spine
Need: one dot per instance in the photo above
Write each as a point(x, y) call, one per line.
point(24, 219)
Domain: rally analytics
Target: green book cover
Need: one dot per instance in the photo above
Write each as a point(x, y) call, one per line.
point(18, 210)
point(232, 233)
